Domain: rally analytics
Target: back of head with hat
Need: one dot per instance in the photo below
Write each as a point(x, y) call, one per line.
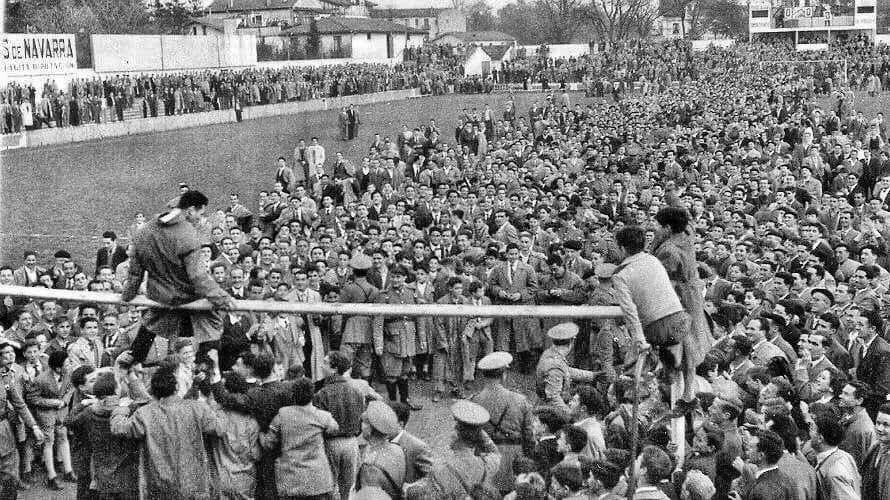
point(497, 360)
point(360, 262)
point(382, 418)
point(563, 331)
point(469, 413)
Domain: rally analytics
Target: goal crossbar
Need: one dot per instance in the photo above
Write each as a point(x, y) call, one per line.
point(328, 308)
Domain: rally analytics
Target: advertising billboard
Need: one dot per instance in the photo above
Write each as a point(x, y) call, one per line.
point(29, 54)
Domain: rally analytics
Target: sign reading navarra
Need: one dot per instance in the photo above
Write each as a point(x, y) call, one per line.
point(37, 54)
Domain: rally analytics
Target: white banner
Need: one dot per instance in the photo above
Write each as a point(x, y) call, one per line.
point(25, 54)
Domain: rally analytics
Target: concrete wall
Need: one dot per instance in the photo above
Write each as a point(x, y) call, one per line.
point(704, 44)
point(561, 51)
point(373, 47)
point(118, 53)
point(143, 53)
point(47, 137)
point(325, 62)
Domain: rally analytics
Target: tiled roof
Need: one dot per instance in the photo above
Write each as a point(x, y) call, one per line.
point(210, 22)
point(496, 52)
point(352, 25)
point(250, 5)
point(362, 25)
point(481, 36)
point(403, 13)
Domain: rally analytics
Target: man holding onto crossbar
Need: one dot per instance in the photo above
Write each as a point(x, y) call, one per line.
point(166, 248)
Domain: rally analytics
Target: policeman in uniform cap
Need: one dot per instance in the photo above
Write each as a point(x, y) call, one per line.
point(510, 425)
point(357, 330)
point(12, 405)
point(472, 459)
point(394, 337)
point(383, 462)
point(554, 375)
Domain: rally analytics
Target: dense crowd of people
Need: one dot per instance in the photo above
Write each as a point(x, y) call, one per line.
point(436, 69)
point(741, 227)
point(84, 101)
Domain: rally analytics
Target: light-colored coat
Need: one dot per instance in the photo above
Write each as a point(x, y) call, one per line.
point(174, 462)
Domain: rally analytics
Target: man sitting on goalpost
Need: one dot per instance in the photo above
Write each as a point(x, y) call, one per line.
point(167, 250)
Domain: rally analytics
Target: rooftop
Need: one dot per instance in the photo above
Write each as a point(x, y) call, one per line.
point(495, 52)
point(480, 36)
point(353, 25)
point(397, 13)
point(253, 5)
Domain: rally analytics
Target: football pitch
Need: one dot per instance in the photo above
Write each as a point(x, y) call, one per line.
point(65, 196)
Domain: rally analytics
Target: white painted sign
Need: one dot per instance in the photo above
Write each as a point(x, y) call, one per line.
point(26, 54)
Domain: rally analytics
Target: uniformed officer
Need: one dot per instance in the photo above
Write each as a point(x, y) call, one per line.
point(510, 426)
point(471, 463)
point(394, 337)
point(12, 405)
point(357, 331)
point(383, 462)
point(610, 343)
point(554, 375)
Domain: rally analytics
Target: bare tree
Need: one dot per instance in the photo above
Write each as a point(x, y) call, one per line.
point(561, 18)
point(616, 20)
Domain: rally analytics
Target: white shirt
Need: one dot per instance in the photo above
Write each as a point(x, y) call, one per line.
point(764, 471)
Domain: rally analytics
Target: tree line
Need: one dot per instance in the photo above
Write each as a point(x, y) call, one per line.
point(566, 21)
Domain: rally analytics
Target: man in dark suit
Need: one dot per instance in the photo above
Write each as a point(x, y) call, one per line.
point(872, 359)
point(765, 449)
point(110, 254)
point(285, 175)
point(352, 120)
point(379, 273)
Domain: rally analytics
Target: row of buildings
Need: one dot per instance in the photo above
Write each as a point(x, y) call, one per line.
point(306, 29)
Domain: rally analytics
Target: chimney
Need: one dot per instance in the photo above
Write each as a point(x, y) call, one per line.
point(231, 4)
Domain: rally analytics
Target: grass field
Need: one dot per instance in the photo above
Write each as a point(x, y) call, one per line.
point(66, 196)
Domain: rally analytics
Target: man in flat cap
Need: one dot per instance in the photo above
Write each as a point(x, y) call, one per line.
point(357, 330)
point(383, 462)
point(574, 262)
point(394, 337)
point(554, 375)
point(510, 426)
point(471, 462)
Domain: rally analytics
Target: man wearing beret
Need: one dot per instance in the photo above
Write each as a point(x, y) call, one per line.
point(383, 462)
